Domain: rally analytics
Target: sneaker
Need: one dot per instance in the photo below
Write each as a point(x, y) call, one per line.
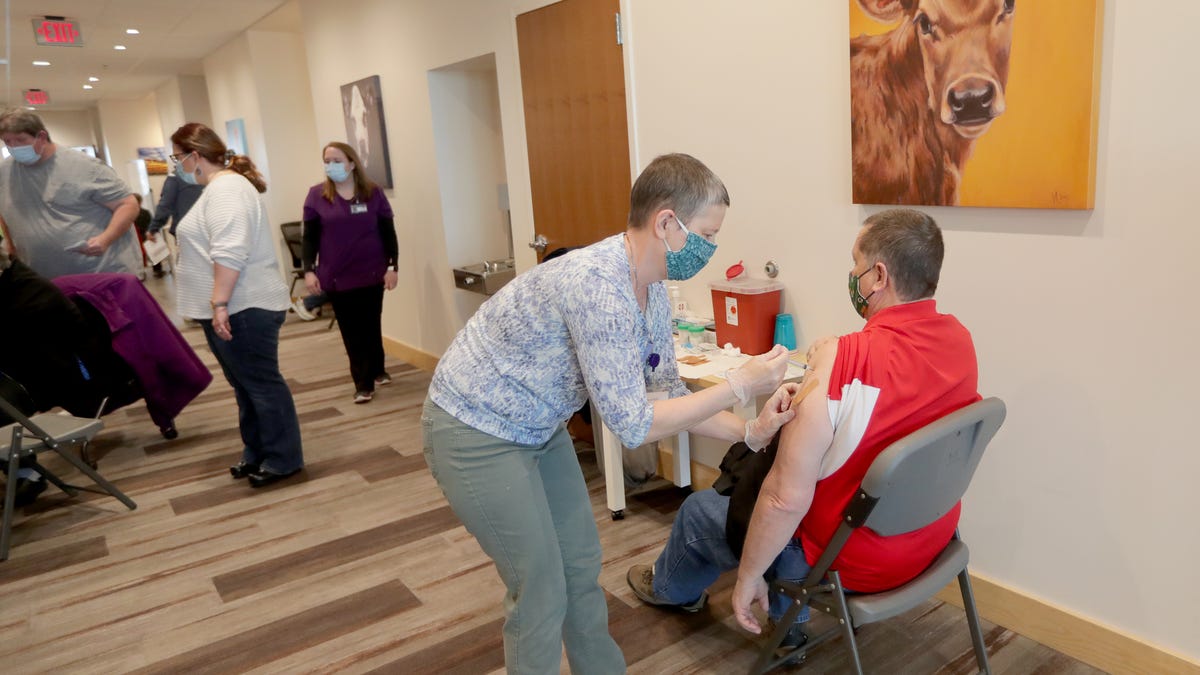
point(363, 396)
point(383, 379)
point(302, 311)
point(641, 580)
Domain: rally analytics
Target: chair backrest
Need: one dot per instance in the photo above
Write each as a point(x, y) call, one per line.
point(920, 477)
point(293, 236)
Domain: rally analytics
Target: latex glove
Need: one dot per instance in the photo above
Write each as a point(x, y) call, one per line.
point(760, 375)
point(776, 413)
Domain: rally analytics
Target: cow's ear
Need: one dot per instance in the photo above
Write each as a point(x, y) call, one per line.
point(886, 11)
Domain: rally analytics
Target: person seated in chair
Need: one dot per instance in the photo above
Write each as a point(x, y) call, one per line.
point(907, 367)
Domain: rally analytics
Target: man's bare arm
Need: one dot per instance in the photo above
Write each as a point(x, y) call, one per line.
point(788, 489)
point(124, 210)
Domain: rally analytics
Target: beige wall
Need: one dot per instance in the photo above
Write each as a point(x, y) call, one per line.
point(1083, 321)
point(129, 125)
point(71, 127)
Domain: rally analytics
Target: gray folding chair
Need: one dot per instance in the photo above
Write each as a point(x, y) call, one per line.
point(912, 483)
point(26, 436)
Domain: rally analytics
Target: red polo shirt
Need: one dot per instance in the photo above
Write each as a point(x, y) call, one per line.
point(907, 367)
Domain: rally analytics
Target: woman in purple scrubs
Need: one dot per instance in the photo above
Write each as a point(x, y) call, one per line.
point(350, 255)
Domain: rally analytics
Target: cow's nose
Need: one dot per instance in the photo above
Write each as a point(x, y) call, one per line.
point(971, 100)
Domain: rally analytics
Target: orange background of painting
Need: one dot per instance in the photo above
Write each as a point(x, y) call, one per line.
point(1041, 153)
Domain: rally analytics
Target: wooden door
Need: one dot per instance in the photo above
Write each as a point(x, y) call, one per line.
point(573, 80)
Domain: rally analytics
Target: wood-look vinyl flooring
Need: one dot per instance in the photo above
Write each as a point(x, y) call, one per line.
point(357, 565)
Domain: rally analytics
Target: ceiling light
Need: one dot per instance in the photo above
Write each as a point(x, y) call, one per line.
point(132, 31)
point(119, 48)
point(41, 63)
point(87, 86)
point(93, 79)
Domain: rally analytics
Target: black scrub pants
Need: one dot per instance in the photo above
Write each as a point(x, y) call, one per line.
point(358, 313)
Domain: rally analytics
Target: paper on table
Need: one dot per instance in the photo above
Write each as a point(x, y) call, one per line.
point(156, 250)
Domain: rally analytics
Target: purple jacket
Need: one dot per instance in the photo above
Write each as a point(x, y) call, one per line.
point(169, 371)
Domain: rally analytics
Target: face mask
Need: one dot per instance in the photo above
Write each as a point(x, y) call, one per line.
point(24, 154)
point(689, 260)
point(188, 177)
point(336, 171)
point(856, 297)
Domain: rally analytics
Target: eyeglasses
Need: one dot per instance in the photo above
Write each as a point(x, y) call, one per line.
point(179, 158)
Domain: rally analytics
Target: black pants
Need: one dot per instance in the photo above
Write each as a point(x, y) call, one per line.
point(358, 312)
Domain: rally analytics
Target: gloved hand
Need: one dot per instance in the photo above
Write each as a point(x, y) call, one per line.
point(776, 413)
point(760, 375)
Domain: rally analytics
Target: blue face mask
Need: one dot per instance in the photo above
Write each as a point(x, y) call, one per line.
point(336, 171)
point(188, 177)
point(689, 260)
point(24, 154)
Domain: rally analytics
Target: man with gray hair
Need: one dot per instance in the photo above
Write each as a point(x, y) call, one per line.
point(63, 212)
point(908, 366)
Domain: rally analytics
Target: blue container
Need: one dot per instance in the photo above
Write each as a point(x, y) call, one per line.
point(785, 331)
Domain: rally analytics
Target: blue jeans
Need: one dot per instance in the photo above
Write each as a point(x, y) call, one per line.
point(528, 507)
point(697, 553)
point(266, 412)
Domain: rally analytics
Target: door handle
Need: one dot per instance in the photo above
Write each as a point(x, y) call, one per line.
point(539, 243)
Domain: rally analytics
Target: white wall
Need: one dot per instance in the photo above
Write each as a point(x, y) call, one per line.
point(127, 126)
point(465, 104)
point(260, 77)
point(423, 35)
point(1081, 319)
point(70, 127)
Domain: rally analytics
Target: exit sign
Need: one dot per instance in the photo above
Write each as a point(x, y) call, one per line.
point(57, 31)
point(36, 97)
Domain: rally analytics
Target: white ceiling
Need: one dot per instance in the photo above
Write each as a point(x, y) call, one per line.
point(175, 36)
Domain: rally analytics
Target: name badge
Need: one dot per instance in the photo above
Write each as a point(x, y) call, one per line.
point(358, 208)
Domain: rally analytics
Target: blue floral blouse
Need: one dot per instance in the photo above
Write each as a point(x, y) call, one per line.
point(562, 332)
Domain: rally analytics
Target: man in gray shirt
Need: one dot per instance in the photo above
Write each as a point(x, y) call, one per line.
point(63, 212)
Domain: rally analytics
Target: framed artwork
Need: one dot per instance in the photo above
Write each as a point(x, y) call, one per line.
point(362, 107)
point(235, 135)
point(155, 158)
point(975, 102)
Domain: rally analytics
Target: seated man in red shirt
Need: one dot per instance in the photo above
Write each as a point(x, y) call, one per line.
point(907, 367)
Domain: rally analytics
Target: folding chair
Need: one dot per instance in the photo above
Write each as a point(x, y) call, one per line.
point(26, 436)
point(293, 237)
point(912, 483)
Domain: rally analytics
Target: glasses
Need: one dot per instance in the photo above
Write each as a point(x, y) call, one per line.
point(179, 157)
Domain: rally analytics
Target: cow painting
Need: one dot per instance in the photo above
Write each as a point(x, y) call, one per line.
point(923, 93)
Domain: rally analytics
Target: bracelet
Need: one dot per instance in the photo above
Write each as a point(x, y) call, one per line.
point(216, 305)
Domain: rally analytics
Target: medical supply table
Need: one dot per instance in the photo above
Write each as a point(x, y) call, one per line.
point(703, 375)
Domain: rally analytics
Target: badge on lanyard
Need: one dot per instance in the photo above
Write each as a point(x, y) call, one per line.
point(357, 208)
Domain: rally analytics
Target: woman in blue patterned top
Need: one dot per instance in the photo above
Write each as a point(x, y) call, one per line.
point(594, 323)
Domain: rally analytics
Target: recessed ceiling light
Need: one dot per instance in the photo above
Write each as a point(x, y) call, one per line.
point(93, 79)
point(87, 86)
point(41, 63)
point(132, 31)
point(119, 48)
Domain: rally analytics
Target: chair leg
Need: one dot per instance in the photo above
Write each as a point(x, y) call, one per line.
point(964, 585)
point(97, 478)
point(842, 610)
point(766, 657)
point(10, 490)
point(53, 479)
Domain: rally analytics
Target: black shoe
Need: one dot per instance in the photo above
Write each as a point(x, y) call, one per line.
point(169, 432)
point(795, 638)
point(641, 579)
point(27, 491)
point(243, 470)
point(263, 477)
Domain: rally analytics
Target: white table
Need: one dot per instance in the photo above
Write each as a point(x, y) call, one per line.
point(705, 375)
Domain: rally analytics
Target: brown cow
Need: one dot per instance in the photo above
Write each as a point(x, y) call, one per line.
point(922, 93)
